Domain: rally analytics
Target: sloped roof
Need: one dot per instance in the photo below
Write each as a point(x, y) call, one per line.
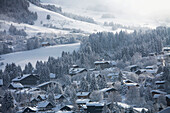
point(17, 79)
point(166, 110)
point(82, 93)
point(52, 75)
point(82, 101)
point(44, 104)
point(16, 85)
point(76, 70)
point(94, 104)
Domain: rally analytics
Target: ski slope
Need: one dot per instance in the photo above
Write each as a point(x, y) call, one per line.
point(41, 54)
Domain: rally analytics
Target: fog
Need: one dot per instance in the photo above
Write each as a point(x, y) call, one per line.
point(157, 10)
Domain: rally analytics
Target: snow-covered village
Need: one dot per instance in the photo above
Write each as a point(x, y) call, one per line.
point(89, 56)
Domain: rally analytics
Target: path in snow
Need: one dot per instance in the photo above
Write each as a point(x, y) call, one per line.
point(41, 54)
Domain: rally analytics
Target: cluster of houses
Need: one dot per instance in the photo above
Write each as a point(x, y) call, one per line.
point(38, 102)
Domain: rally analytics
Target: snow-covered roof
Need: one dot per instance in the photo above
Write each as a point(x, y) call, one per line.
point(32, 108)
point(158, 91)
point(58, 96)
point(123, 105)
point(151, 71)
point(82, 101)
point(159, 82)
point(140, 109)
point(156, 96)
point(76, 70)
point(42, 96)
point(82, 93)
point(132, 66)
point(17, 79)
point(108, 89)
point(113, 74)
point(45, 43)
point(102, 62)
point(52, 75)
point(1, 82)
point(46, 83)
point(94, 104)
point(168, 96)
point(17, 85)
point(43, 104)
point(131, 84)
point(149, 67)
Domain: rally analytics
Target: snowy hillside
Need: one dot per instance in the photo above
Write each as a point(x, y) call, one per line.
point(42, 54)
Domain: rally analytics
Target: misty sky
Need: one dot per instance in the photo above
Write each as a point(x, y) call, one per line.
point(153, 9)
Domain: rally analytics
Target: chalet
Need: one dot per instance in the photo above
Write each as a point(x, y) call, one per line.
point(140, 71)
point(74, 71)
point(27, 80)
point(30, 110)
point(157, 92)
point(94, 107)
point(160, 84)
point(44, 86)
point(131, 85)
point(83, 95)
point(15, 86)
point(67, 108)
point(45, 106)
point(134, 68)
point(100, 65)
point(44, 44)
point(34, 101)
point(60, 98)
point(81, 102)
point(41, 97)
point(166, 49)
point(113, 76)
point(108, 90)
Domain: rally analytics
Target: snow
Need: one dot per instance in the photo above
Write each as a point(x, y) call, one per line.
point(140, 109)
point(45, 83)
point(58, 19)
point(158, 91)
point(58, 96)
point(159, 82)
point(82, 94)
point(156, 96)
point(82, 101)
point(17, 85)
point(107, 89)
point(94, 104)
point(76, 70)
point(131, 84)
point(43, 104)
point(41, 54)
point(123, 105)
point(17, 79)
point(64, 112)
point(168, 96)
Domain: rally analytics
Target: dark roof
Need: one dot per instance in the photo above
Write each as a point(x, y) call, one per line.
point(17, 79)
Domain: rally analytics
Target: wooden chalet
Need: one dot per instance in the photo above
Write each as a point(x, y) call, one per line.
point(45, 106)
point(27, 80)
point(83, 95)
point(30, 110)
point(94, 107)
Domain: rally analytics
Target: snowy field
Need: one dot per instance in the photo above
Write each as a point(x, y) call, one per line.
point(41, 54)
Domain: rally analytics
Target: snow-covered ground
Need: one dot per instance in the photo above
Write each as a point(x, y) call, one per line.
point(41, 54)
